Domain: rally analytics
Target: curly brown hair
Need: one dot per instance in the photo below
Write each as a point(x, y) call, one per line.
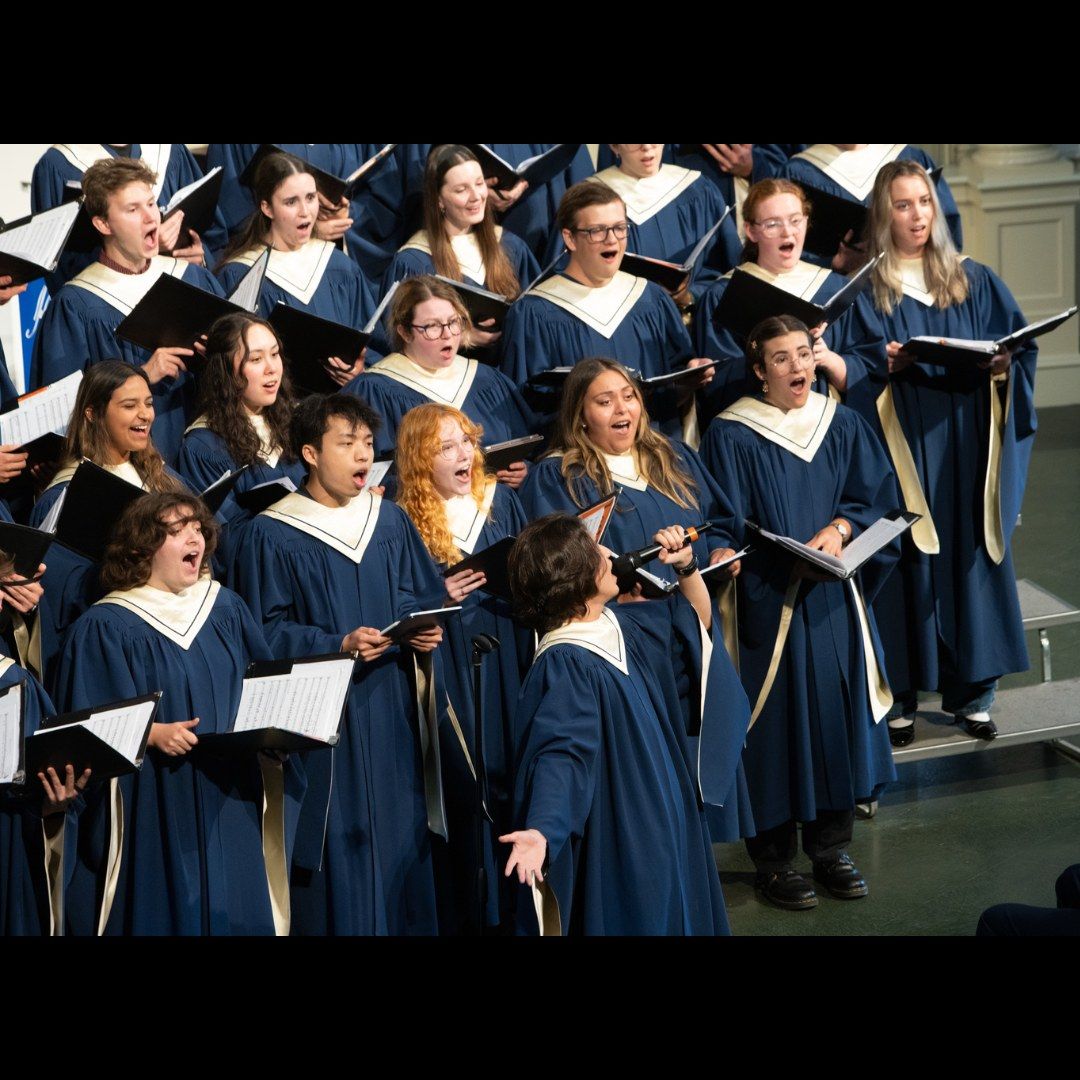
point(141, 530)
point(222, 385)
point(553, 567)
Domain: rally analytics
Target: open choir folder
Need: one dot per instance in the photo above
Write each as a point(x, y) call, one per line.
point(674, 277)
point(481, 304)
point(748, 300)
point(198, 201)
point(331, 186)
point(285, 705)
point(867, 544)
point(307, 340)
point(31, 247)
point(36, 422)
point(108, 739)
point(959, 352)
point(540, 169)
point(175, 314)
point(491, 562)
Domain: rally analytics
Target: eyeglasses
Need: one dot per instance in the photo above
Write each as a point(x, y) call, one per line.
point(599, 233)
point(449, 450)
point(773, 226)
point(434, 331)
point(803, 356)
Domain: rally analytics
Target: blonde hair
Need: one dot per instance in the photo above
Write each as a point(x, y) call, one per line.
point(656, 458)
point(418, 442)
point(942, 269)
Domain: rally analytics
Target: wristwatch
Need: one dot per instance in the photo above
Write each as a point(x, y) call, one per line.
point(842, 529)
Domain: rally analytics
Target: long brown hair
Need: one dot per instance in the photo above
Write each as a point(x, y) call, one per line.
point(222, 385)
point(417, 443)
point(656, 457)
point(270, 174)
point(758, 193)
point(499, 276)
point(943, 272)
point(87, 436)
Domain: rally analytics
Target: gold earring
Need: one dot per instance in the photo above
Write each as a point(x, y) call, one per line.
point(764, 388)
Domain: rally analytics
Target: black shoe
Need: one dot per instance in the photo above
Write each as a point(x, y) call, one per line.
point(979, 725)
point(787, 889)
point(841, 878)
point(902, 736)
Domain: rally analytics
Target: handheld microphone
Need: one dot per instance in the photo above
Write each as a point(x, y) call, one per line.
point(625, 564)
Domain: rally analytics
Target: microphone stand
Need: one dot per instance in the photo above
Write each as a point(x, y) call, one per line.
point(482, 645)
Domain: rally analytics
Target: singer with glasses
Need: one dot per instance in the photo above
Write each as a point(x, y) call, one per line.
point(798, 464)
point(459, 512)
point(847, 352)
point(428, 324)
point(592, 308)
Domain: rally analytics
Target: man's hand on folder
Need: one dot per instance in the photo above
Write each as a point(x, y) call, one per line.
point(367, 641)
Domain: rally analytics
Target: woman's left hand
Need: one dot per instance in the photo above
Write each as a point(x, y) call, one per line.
point(732, 570)
point(503, 200)
point(426, 640)
point(514, 476)
point(705, 377)
point(23, 598)
point(59, 794)
point(479, 337)
point(333, 221)
point(459, 585)
point(828, 540)
point(999, 363)
point(341, 372)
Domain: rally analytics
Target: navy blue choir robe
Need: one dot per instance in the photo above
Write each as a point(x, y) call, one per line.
point(955, 595)
point(24, 899)
point(7, 387)
point(313, 574)
point(70, 579)
point(475, 529)
point(768, 160)
point(668, 214)
point(605, 773)
point(63, 162)
point(204, 458)
point(414, 258)
point(816, 742)
point(317, 279)
point(849, 174)
point(487, 397)
point(640, 512)
point(192, 860)
point(79, 329)
point(630, 320)
point(370, 242)
point(856, 336)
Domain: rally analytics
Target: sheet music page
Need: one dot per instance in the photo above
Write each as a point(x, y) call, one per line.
point(377, 472)
point(184, 192)
point(52, 518)
point(122, 728)
point(246, 293)
point(39, 413)
point(39, 241)
point(699, 247)
point(369, 327)
point(10, 733)
point(882, 532)
point(307, 701)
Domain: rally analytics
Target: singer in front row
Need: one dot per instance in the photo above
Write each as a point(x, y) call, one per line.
point(610, 822)
point(799, 465)
point(178, 847)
